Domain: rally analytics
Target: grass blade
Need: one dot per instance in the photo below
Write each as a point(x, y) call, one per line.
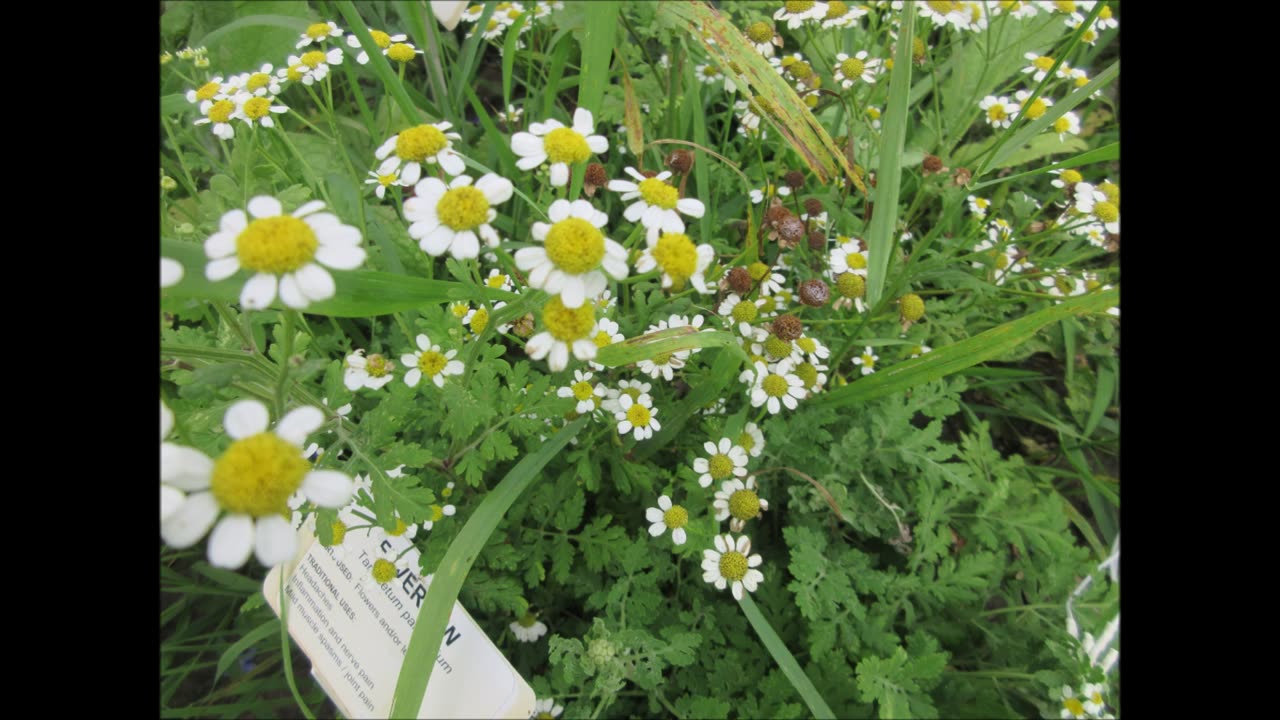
point(1102, 154)
point(1101, 398)
point(783, 657)
point(663, 341)
point(378, 61)
point(881, 239)
point(466, 59)
point(428, 632)
point(597, 51)
point(966, 353)
point(251, 638)
point(360, 293)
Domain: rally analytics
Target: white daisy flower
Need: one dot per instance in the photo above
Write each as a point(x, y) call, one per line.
point(252, 481)
point(723, 461)
point(667, 516)
point(260, 83)
point(680, 261)
point(370, 372)
point(219, 113)
point(770, 281)
point(665, 364)
point(637, 417)
point(286, 253)
point(797, 12)
point(757, 195)
point(573, 253)
point(312, 66)
point(319, 33)
point(589, 396)
point(210, 91)
point(751, 440)
point(867, 361)
point(477, 319)
point(546, 710)
point(438, 513)
point(1034, 109)
point(774, 386)
point(999, 111)
point(1072, 707)
point(171, 272)
point(387, 565)
point(425, 144)
point(748, 118)
point(559, 144)
point(918, 350)
point(257, 109)
point(731, 562)
point(1067, 124)
point(935, 12)
point(498, 280)
point(979, 206)
point(740, 313)
point(849, 257)
point(811, 349)
point(429, 361)
point(761, 35)
point(1019, 9)
point(842, 15)
point(401, 530)
point(381, 39)
point(634, 388)
point(566, 328)
point(606, 334)
point(182, 469)
point(851, 69)
point(454, 218)
point(512, 116)
point(387, 174)
point(528, 628)
point(738, 500)
point(657, 205)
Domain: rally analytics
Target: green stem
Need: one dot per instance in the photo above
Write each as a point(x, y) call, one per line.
point(286, 327)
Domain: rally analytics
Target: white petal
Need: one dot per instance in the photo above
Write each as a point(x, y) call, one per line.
point(259, 292)
point(573, 294)
point(264, 206)
point(496, 189)
point(220, 245)
point(583, 122)
point(451, 163)
point(691, 207)
point(437, 241)
point(190, 522)
point(559, 357)
point(170, 500)
point(222, 269)
point(274, 540)
point(316, 282)
point(308, 208)
point(526, 145)
point(233, 222)
point(231, 542)
point(245, 418)
point(340, 258)
point(657, 528)
point(532, 161)
point(328, 488)
point(298, 424)
point(597, 143)
point(653, 515)
point(184, 468)
point(559, 174)
point(679, 536)
point(290, 293)
point(465, 246)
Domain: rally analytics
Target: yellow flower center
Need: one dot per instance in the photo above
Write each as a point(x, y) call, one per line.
point(777, 347)
point(836, 9)
point(318, 31)
point(757, 271)
point(544, 715)
point(496, 282)
point(220, 111)
point(419, 143)
point(942, 7)
point(257, 108)
point(399, 529)
point(384, 571)
point(1061, 125)
point(746, 441)
point(437, 513)
point(801, 69)
point(377, 366)
point(582, 390)
point(575, 245)
point(855, 261)
point(463, 208)
point(447, 491)
point(808, 373)
point(1002, 260)
point(852, 68)
point(566, 145)
point(760, 32)
point(339, 532)
point(294, 73)
point(257, 474)
point(480, 320)
point(1071, 176)
point(733, 565)
point(873, 113)
point(744, 504)
point(257, 81)
point(527, 620)
point(868, 360)
point(459, 310)
point(313, 59)
point(707, 71)
point(1091, 284)
point(1096, 697)
point(1082, 80)
point(1044, 62)
point(276, 244)
point(1074, 706)
point(1112, 191)
point(720, 466)
point(634, 392)
point(676, 518)
point(1066, 6)
point(807, 344)
point(1036, 109)
point(775, 386)
point(386, 180)
point(657, 192)
point(1090, 36)
point(745, 311)
point(431, 363)
point(997, 112)
point(602, 338)
point(638, 415)
point(565, 324)
point(677, 257)
point(798, 6)
point(380, 39)
point(1105, 14)
point(208, 90)
point(401, 53)
point(1106, 211)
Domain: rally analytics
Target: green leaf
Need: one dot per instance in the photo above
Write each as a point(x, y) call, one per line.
point(360, 293)
point(966, 353)
point(882, 237)
point(598, 38)
point(1101, 398)
point(381, 67)
point(250, 639)
point(662, 341)
point(782, 656)
point(1103, 154)
point(442, 593)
